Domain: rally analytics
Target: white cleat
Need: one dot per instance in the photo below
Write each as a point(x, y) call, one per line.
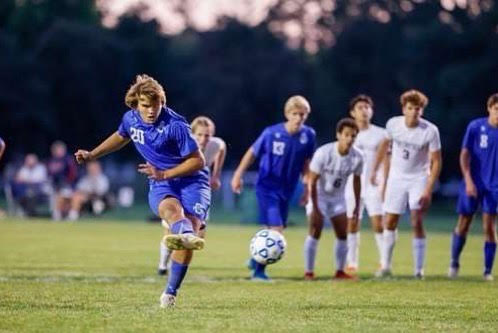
point(167, 301)
point(183, 242)
point(419, 275)
point(383, 273)
point(453, 272)
point(488, 277)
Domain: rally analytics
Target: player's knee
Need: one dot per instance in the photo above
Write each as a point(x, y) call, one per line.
point(170, 210)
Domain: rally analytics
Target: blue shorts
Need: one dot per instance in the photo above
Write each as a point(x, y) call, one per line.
point(193, 194)
point(273, 208)
point(469, 205)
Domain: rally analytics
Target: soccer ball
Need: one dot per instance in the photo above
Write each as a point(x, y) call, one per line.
point(267, 246)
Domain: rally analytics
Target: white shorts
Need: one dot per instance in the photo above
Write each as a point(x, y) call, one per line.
point(371, 200)
point(329, 208)
point(402, 192)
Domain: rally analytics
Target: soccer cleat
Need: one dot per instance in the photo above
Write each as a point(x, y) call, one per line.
point(260, 277)
point(167, 301)
point(419, 275)
point(383, 273)
point(453, 272)
point(162, 272)
point(341, 275)
point(488, 277)
point(309, 276)
point(183, 242)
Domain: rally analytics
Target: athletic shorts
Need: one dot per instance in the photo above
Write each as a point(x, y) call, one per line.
point(403, 192)
point(194, 195)
point(273, 208)
point(469, 205)
point(330, 207)
point(371, 199)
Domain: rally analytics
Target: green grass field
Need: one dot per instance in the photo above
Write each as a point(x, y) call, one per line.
point(95, 276)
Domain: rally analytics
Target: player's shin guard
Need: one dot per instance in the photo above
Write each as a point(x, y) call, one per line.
point(175, 279)
point(310, 245)
point(387, 252)
point(418, 245)
point(353, 249)
point(489, 256)
point(183, 226)
point(457, 244)
point(341, 252)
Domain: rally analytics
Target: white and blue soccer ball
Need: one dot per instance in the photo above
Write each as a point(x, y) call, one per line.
point(267, 246)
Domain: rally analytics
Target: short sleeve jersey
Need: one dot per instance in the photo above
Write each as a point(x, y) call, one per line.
point(481, 140)
point(411, 147)
point(212, 149)
point(282, 157)
point(165, 143)
point(334, 168)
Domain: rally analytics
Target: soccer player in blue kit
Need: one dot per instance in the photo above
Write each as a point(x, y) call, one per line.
point(178, 182)
point(479, 164)
point(284, 151)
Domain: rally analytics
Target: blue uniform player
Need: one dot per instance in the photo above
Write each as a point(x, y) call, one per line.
point(284, 151)
point(178, 182)
point(479, 164)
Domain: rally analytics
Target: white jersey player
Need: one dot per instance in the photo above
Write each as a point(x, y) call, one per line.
point(214, 150)
point(330, 168)
point(414, 169)
point(368, 141)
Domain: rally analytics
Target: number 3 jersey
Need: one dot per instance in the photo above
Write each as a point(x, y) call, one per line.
point(411, 148)
point(334, 169)
point(481, 140)
point(165, 143)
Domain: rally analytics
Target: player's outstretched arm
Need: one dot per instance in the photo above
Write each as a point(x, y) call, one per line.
point(470, 187)
point(109, 145)
point(193, 162)
point(245, 163)
point(218, 166)
point(379, 158)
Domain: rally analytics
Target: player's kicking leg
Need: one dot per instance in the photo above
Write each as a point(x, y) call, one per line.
point(183, 241)
point(340, 224)
point(164, 253)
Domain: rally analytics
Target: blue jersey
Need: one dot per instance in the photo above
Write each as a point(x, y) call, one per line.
point(164, 144)
point(282, 157)
point(481, 140)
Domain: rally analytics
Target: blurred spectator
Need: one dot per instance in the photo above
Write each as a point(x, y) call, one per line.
point(62, 172)
point(31, 184)
point(92, 188)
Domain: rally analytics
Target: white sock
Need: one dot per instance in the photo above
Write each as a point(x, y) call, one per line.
point(164, 254)
point(389, 241)
point(56, 215)
point(379, 240)
point(353, 249)
point(341, 253)
point(73, 215)
point(310, 245)
point(418, 245)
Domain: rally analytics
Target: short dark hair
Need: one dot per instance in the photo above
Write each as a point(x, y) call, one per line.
point(492, 100)
point(360, 98)
point(346, 122)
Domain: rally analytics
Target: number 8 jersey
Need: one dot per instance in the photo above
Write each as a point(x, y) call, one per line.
point(334, 169)
point(411, 147)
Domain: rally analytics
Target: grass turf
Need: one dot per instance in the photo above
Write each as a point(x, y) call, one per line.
point(100, 276)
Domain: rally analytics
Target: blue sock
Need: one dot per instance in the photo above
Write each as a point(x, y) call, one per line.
point(259, 269)
point(176, 275)
point(183, 226)
point(489, 256)
point(252, 264)
point(457, 244)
